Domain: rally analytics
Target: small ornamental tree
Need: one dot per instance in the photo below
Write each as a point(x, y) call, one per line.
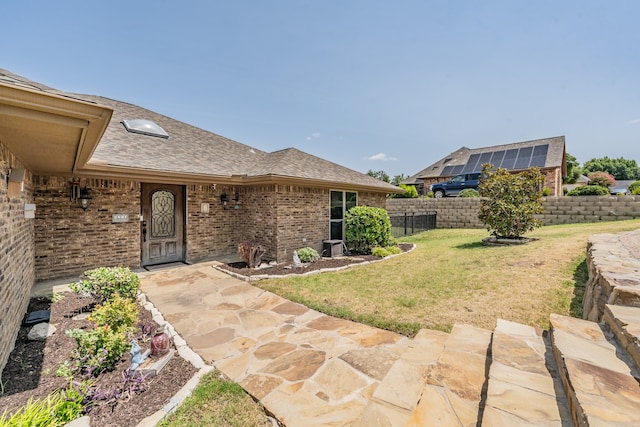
point(510, 201)
point(367, 227)
point(603, 179)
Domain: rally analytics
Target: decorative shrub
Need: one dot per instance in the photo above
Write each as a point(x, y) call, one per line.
point(634, 188)
point(308, 254)
point(546, 191)
point(100, 348)
point(603, 179)
point(430, 195)
point(118, 314)
point(251, 253)
point(383, 252)
point(469, 192)
point(410, 192)
point(589, 190)
point(105, 282)
point(510, 201)
point(366, 227)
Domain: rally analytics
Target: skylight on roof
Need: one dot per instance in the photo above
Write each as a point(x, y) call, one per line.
point(145, 127)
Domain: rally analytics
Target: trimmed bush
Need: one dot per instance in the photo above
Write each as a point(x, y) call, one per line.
point(410, 192)
point(510, 201)
point(308, 255)
point(384, 252)
point(106, 282)
point(469, 192)
point(589, 190)
point(546, 191)
point(634, 188)
point(367, 227)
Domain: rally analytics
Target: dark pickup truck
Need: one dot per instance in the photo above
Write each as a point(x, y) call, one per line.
point(456, 184)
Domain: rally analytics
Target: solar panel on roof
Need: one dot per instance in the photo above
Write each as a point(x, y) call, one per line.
point(509, 159)
point(457, 169)
point(484, 158)
point(471, 163)
point(446, 171)
point(524, 158)
point(496, 158)
point(539, 157)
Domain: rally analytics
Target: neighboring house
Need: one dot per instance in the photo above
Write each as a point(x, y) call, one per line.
point(159, 191)
point(546, 154)
point(582, 180)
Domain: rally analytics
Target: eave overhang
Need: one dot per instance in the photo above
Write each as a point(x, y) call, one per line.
point(49, 133)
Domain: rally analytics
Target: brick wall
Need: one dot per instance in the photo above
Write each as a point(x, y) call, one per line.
point(213, 233)
point(453, 212)
point(69, 240)
point(17, 271)
point(302, 213)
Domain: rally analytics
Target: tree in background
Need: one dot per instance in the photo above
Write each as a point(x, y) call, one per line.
point(399, 178)
point(510, 201)
point(620, 168)
point(573, 170)
point(603, 179)
point(381, 175)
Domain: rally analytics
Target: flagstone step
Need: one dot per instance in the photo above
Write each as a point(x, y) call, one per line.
point(599, 386)
point(624, 322)
point(523, 385)
point(397, 395)
point(454, 385)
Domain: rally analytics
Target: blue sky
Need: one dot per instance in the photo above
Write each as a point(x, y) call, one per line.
point(382, 85)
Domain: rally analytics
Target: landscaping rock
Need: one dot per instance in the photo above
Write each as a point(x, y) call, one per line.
point(41, 331)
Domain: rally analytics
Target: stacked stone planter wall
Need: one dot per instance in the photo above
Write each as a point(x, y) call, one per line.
point(463, 212)
point(614, 273)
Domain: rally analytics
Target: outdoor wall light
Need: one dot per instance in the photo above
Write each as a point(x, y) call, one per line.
point(224, 199)
point(84, 199)
point(236, 199)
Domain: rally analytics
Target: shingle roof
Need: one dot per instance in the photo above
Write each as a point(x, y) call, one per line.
point(193, 152)
point(554, 158)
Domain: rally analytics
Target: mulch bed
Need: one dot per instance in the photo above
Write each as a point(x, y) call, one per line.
point(287, 268)
point(32, 365)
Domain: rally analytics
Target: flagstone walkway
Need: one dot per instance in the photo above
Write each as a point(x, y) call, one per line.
point(305, 367)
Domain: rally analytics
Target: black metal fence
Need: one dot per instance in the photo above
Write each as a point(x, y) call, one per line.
point(411, 223)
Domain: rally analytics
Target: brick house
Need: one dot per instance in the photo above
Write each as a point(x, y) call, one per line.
point(547, 154)
point(158, 191)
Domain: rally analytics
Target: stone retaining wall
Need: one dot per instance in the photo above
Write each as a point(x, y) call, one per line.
point(457, 212)
point(614, 274)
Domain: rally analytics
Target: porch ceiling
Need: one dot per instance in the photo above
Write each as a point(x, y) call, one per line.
point(49, 133)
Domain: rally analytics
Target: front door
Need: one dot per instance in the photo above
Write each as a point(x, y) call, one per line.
point(162, 223)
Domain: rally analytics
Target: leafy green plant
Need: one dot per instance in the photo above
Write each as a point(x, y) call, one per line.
point(589, 190)
point(117, 314)
point(65, 370)
point(383, 252)
point(469, 192)
point(430, 195)
point(367, 227)
point(510, 201)
point(603, 179)
point(410, 192)
point(100, 348)
point(546, 191)
point(251, 253)
point(34, 413)
point(308, 254)
point(105, 282)
point(634, 188)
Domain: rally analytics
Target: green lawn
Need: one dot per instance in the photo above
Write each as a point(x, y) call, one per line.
point(452, 278)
